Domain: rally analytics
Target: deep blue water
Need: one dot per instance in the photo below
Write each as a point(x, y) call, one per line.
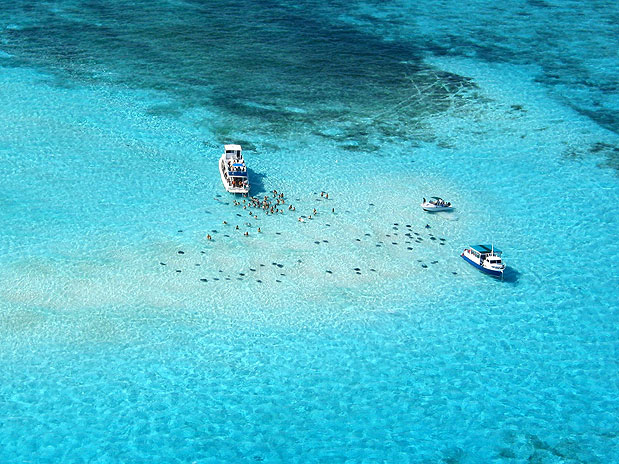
point(359, 335)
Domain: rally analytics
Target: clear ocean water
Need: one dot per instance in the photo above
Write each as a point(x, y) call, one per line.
point(359, 336)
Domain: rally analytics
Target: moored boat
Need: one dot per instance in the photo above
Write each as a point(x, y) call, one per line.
point(436, 204)
point(233, 170)
point(486, 258)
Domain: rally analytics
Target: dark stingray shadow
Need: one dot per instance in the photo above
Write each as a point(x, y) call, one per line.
point(511, 275)
point(256, 182)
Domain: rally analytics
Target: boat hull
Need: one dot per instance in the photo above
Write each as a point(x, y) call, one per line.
point(485, 270)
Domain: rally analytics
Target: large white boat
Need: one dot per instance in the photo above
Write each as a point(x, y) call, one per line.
point(436, 204)
point(233, 171)
point(486, 258)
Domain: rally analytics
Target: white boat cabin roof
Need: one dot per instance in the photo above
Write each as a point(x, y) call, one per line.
point(232, 148)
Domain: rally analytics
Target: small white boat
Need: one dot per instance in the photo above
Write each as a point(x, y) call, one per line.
point(233, 171)
point(486, 258)
point(436, 204)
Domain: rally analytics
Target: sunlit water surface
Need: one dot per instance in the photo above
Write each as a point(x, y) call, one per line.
point(358, 335)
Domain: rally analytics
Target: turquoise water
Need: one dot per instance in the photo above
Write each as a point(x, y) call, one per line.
point(359, 335)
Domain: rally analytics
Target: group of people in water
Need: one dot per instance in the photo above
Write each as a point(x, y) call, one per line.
point(274, 204)
point(267, 204)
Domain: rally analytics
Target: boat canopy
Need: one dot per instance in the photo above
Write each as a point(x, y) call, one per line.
point(486, 249)
point(238, 174)
point(436, 198)
point(232, 147)
point(237, 164)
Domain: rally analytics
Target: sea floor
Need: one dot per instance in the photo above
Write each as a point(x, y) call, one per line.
point(356, 335)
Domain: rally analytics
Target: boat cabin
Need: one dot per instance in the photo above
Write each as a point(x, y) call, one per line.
point(482, 252)
point(233, 152)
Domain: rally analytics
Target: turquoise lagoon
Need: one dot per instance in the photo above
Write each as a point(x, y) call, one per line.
point(356, 336)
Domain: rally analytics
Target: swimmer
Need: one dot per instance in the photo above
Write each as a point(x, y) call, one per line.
point(237, 227)
point(314, 211)
point(225, 223)
point(322, 194)
point(246, 234)
point(208, 236)
point(333, 210)
point(327, 196)
point(300, 219)
point(259, 229)
point(289, 207)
